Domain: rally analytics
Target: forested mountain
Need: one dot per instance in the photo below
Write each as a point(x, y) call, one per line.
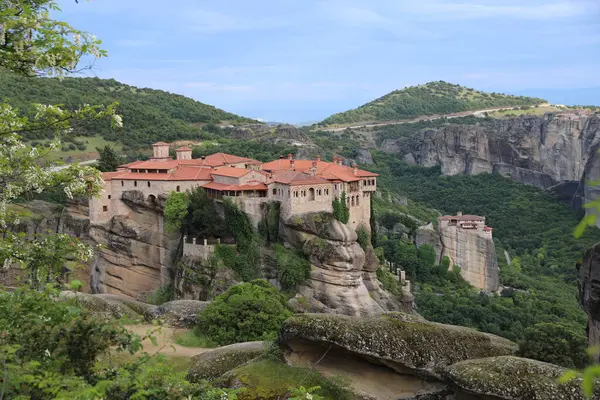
point(148, 115)
point(428, 99)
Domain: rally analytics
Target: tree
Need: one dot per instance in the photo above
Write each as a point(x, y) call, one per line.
point(176, 209)
point(245, 312)
point(108, 160)
point(555, 343)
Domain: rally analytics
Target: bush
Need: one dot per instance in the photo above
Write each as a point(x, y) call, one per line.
point(161, 295)
point(292, 267)
point(363, 237)
point(389, 282)
point(245, 312)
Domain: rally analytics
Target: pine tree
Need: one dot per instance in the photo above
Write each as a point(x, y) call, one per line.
point(109, 160)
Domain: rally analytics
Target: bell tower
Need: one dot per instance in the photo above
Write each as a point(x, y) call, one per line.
point(160, 151)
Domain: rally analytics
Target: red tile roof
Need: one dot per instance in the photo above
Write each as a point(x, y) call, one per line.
point(181, 174)
point(231, 172)
point(296, 178)
point(327, 170)
point(223, 186)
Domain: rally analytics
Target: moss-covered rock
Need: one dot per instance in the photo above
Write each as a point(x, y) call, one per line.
point(177, 313)
point(137, 306)
point(322, 224)
point(103, 307)
point(403, 342)
point(212, 364)
point(514, 378)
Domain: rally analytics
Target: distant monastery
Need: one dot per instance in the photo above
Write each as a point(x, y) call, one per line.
point(300, 186)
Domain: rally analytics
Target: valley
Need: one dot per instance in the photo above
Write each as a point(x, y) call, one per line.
point(437, 243)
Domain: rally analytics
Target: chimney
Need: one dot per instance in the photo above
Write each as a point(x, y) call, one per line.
point(459, 214)
point(281, 157)
point(318, 158)
point(292, 164)
point(355, 168)
point(340, 161)
point(313, 169)
point(184, 153)
point(290, 157)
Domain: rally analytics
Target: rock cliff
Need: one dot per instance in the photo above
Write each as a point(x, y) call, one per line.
point(136, 255)
point(39, 217)
point(540, 151)
point(343, 277)
point(589, 292)
point(473, 252)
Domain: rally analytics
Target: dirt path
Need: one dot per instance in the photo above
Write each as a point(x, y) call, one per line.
point(165, 341)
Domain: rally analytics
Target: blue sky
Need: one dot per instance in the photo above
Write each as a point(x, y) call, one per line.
point(302, 60)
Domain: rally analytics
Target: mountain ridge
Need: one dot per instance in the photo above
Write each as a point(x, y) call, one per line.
point(432, 98)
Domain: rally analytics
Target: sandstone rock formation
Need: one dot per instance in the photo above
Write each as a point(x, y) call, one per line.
point(343, 278)
point(115, 307)
point(214, 363)
point(407, 344)
point(540, 151)
point(177, 313)
point(137, 254)
point(509, 378)
point(474, 253)
point(39, 217)
point(589, 292)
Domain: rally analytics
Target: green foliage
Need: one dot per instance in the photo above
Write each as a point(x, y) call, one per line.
point(302, 393)
point(364, 238)
point(341, 211)
point(161, 295)
point(292, 267)
point(245, 312)
point(270, 221)
point(247, 262)
point(427, 255)
point(275, 380)
point(429, 99)
point(204, 219)
point(191, 339)
point(149, 115)
point(176, 209)
point(373, 225)
point(556, 343)
point(389, 281)
point(108, 160)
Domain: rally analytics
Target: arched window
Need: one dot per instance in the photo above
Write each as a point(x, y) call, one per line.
point(152, 199)
point(178, 188)
point(122, 183)
point(357, 200)
point(274, 192)
point(352, 201)
point(148, 183)
point(311, 194)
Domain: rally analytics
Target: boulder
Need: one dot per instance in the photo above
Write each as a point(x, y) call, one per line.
point(137, 306)
point(105, 307)
point(514, 378)
point(406, 343)
point(178, 313)
point(214, 363)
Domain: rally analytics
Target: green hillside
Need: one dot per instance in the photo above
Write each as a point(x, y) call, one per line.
point(428, 99)
point(148, 115)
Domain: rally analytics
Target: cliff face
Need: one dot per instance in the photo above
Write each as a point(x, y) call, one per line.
point(474, 253)
point(589, 292)
point(540, 151)
point(41, 217)
point(136, 254)
point(343, 277)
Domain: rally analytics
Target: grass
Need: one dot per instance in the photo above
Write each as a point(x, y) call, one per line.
point(89, 153)
point(179, 364)
point(190, 339)
point(271, 379)
point(537, 111)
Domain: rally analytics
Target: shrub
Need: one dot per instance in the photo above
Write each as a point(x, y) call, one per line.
point(245, 312)
point(363, 237)
point(389, 282)
point(161, 295)
point(292, 267)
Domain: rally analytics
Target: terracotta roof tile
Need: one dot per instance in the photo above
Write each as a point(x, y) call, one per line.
point(223, 186)
point(231, 172)
point(327, 170)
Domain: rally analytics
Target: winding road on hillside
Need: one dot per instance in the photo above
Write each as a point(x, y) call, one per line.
point(476, 113)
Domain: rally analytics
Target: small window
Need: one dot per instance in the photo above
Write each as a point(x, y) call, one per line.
point(105, 208)
point(134, 183)
point(109, 196)
point(122, 183)
point(178, 188)
point(274, 192)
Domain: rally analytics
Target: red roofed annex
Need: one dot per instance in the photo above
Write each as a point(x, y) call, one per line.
point(300, 186)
